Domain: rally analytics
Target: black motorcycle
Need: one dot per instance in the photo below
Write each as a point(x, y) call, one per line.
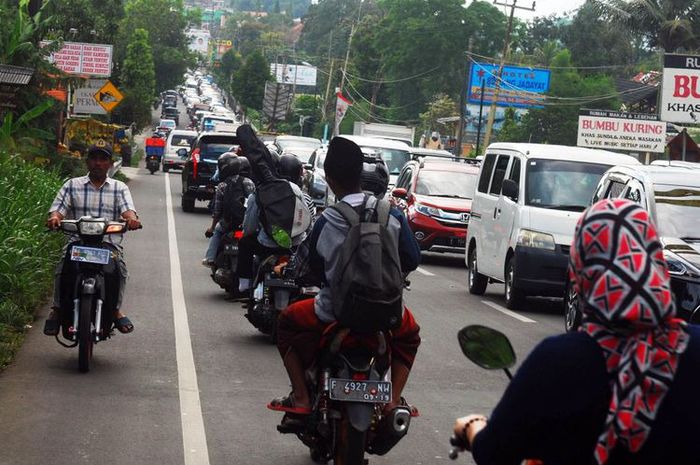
point(91, 280)
point(223, 272)
point(350, 387)
point(152, 163)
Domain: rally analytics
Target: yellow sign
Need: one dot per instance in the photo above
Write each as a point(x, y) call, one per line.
point(108, 96)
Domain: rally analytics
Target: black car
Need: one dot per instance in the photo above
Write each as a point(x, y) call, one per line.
point(170, 113)
point(201, 165)
point(671, 195)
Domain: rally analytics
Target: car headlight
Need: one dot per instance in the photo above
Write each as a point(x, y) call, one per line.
point(319, 185)
point(92, 228)
point(538, 240)
point(426, 210)
point(678, 267)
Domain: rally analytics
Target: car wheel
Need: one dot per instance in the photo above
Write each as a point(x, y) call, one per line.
point(166, 168)
point(514, 296)
point(188, 203)
point(477, 282)
point(572, 315)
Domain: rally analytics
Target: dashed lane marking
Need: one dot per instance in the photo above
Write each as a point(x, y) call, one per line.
point(424, 272)
point(510, 313)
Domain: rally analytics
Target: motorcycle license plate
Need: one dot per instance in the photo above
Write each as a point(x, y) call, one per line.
point(90, 255)
point(349, 390)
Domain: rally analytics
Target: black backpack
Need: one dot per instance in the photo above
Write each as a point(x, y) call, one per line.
point(233, 208)
point(283, 212)
point(367, 290)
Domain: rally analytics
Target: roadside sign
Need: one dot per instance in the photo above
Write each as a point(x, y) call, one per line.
point(82, 58)
point(84, 102)
point(520, 87)
point(108, 96)
point(680, 97)
point(634, 132)
point(294, 74)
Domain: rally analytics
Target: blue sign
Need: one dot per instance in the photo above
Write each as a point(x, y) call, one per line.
point(520, 87)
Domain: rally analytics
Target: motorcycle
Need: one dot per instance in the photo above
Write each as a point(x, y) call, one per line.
point(224, 270)
point(91, 280)
point(154, 153)
point(152, 163)
point(350, 386)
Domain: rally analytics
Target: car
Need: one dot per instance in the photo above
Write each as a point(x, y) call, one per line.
point(177, 139)
point(171, 113)
point(300, 147)
point(436, 195)
point(394, 153)
point(671, 195)
point(419, 152)
point(524, 212)
point(201, 165)
point(167, 123)
point(212, 122)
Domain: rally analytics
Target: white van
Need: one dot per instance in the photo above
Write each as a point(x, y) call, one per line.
point(394, 153)
point(525, 208)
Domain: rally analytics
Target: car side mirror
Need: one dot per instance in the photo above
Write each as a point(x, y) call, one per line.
point(400, 193)
point(182, 153)
point(510, 189)
point(486, 347)
point(308, 166)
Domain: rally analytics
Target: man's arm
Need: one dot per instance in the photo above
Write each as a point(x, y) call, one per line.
point(127, 209)
point(250, 220)
point(308, 264)
point(409, 250)
point(59, 207)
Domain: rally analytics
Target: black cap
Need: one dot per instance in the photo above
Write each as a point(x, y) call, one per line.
point(344, 162)
point(100, 147)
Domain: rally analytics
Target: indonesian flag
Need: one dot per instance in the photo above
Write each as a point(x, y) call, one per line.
point(341, 108)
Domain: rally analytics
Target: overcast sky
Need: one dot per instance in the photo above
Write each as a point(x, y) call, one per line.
point(543, 7)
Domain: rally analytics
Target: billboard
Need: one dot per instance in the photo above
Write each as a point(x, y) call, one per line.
point(199, 41)
point(614, 130)
point(680, 96)
point(82, 58)
point(84, 98)
point(520, 87)
point(294, 74)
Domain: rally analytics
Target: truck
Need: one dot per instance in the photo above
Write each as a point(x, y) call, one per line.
point(386, 131)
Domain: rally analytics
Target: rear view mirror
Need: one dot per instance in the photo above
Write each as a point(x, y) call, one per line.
point(308, 166)
point(510, 189)
point(182, 153)
point(486, 347)
point(399, 193)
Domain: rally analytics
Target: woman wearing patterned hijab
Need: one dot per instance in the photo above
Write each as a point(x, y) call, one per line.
point(622, 390)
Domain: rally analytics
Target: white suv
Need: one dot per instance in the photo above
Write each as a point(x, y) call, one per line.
point(525, 208)
point(177, 139)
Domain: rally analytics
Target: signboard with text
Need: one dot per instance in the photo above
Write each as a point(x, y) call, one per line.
point(294, 74)
point(82, 58)
point(614, 130)
point(84, 102)
point(680, 96)
point(519, 87)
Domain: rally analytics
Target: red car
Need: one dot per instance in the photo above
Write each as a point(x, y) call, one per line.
point(436, 197)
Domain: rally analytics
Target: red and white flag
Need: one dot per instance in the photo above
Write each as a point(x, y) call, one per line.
point(341, 108)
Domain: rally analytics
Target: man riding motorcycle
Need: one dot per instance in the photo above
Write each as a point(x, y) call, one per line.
point(301, 325)
point(97, 196)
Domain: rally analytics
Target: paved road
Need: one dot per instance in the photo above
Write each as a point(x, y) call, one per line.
point(190, 385)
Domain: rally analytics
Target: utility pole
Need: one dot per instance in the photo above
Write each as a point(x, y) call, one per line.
point(463, 98)
point(328, 89)
point(347, 53)
point(506, 48)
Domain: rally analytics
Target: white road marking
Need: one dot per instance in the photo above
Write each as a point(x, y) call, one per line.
point(424, 272)
point(194, 439)
point(510, 313)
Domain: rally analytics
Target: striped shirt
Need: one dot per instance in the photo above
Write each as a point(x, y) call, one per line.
point(79, 197)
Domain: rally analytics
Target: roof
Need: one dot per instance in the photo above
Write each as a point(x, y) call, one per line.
point(564, 152)
point(183, 132)
point(298, 139)
point(430, 152)
point(15, 75)
point(440, 165)
point(632, 92)
point(663, 174)
point(377, 142)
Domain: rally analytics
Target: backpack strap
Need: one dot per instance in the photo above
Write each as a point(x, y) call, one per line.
point(383, 207)
point(347, 212)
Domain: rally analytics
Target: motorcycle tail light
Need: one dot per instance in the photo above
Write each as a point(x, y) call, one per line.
point(359, 377)
point(238, 235)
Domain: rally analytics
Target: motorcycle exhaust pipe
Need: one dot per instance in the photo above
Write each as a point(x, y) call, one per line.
point(390, 430)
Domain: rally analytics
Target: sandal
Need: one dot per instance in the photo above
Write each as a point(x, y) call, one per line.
point(286, 404)
point(51, 327)
point(124, 325)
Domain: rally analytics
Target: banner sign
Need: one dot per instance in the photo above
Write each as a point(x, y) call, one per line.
point(84, 98)
point(294, 74)
point(614, 130)
point(341, 108)
point(519, 87)
point(81, 58)
point(680, 96)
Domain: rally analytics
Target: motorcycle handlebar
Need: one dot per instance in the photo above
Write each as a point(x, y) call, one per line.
point(458, 445)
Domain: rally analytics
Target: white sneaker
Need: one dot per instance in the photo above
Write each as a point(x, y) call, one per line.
point(207, 263)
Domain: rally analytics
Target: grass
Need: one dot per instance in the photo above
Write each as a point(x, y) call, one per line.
point(28, 254)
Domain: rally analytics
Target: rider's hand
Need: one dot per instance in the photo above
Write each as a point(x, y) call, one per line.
point(133, 224)
point(209, 233)
point(466, 428)
point(54, 222)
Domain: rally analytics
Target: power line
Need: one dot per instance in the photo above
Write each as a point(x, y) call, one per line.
point(392, 81)
point(548, 67)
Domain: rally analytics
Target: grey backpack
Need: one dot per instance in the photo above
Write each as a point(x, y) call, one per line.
point(367, 290)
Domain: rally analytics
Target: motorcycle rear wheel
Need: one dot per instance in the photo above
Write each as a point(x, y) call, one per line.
point(85, 341)
point(349, 444)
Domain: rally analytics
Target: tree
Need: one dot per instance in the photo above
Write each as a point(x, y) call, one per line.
point(230, 62)
point(249, 81)
point(138, 79)
point(442, 106)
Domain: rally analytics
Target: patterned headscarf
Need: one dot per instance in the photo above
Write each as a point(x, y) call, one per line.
point(621, 277)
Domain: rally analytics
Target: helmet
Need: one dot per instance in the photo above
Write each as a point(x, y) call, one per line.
point(245, 170)
point(290, 168)
point(375, 176)
point(229, 165)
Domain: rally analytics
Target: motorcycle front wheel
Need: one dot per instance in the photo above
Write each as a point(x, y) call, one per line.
point(85, 341)
point(349, 444)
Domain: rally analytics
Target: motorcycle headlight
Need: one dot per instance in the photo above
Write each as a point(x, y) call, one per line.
point(538, 240)
point(92, 228)
point(426, 210)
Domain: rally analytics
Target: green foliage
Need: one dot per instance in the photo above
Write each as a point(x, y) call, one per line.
point(441, 106)
point(87, 20)
point(230, 62)
point(20, 133)
point(138, 79)
point(249, 81)
point(28, 254)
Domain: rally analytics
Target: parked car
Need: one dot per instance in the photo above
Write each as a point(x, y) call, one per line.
point(169, 124)
point(171, 113)
point(395, 154)
point(201, 165)
point(300, 147)
point(315, 176)
point(671, 195)
point(177, 139)
point(525, 208)
point(436, 197)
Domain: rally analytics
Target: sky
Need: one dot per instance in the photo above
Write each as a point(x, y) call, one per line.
point(542, 7)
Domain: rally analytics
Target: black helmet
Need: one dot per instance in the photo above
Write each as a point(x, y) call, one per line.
point(245, 170)
point(229, 165)
point(375, 176)
point(290, 168)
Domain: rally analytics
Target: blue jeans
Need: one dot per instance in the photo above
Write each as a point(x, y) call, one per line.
point(215, 242)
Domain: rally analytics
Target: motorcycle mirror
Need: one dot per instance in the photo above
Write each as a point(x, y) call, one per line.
point(69, 227)
point(486, 347)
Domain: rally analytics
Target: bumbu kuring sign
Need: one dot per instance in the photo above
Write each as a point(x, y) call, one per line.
point(680, 99)
point(614, 130)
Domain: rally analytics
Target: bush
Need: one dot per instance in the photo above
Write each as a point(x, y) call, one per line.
point(28, 254)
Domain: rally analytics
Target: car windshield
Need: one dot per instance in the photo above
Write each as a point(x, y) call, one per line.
point(561, 184)
point(167, 123)
point(446, 184)
point(678, 211)
point(394, 158)
point(302, 152)
point(211, 151)
point(181, 141)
